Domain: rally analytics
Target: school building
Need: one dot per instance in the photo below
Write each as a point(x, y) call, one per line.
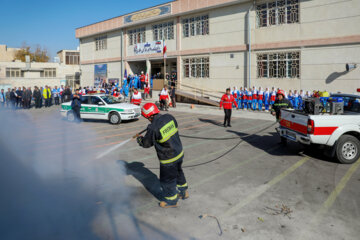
point(215, 44)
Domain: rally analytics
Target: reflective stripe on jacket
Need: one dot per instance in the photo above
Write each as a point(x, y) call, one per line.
point(164, 135)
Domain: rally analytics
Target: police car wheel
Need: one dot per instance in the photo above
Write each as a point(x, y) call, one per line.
point(70, 116)
point(115, 118)
point(348, 149)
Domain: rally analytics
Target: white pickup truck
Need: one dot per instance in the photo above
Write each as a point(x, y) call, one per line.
point(340, 133)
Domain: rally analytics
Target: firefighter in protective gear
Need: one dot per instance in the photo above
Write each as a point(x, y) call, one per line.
point(280, 103)
point(163, 134)
point(227, 101)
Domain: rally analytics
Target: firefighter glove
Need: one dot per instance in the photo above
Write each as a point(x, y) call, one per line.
point(139, 140)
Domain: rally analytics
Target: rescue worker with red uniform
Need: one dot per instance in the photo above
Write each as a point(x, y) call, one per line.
point(142, 80)
point(136, 97)
point(227, 102)
point(163, 134)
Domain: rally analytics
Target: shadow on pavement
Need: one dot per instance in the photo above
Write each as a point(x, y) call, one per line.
point(214, 122)
point(266, 141)
point(291, 149)
point(146, 177)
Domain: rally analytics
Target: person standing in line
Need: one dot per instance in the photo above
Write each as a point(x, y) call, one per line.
point(260, 99)
point(37, 97)
point(13, 98)
point(47, 96)
point(56, 94)
point(227, 101)
point(27, 98)
point(8, 99)
point(2, 99)
point(249, 99)
point(240, 97)
point(254, 98)
point(173, 96)
point(244, 99)
point(24, 98)
point(18, 97)
point(267, 99)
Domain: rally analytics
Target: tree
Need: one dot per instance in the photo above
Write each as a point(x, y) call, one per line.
point(39, 55)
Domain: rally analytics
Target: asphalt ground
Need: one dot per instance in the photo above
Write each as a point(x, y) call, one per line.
point(255, 187)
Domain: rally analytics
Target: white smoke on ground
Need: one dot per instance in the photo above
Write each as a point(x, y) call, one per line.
point(52, 187)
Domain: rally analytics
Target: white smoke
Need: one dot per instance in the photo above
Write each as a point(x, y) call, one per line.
point(52, 187)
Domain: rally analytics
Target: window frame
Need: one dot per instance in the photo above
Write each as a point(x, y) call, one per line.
point(275, 8)
point(136, 36)
point(196, 67)
point(196, 26)
point(270, 65)
point(163, 31)
point(101, 43)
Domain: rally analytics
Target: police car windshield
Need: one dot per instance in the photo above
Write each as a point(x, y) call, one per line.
point(111, 100)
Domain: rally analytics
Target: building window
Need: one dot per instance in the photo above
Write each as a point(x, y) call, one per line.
point(48, 73)
point(137, 36)
point(196, 26)
point(278, 65)
point(72, 58)
point(164, 31)
point(101, 43)
point(277, 13)
point(14, 73)
point(196, 67)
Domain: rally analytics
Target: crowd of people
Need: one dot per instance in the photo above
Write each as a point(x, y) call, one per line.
point(22, 97)
point(259, 99)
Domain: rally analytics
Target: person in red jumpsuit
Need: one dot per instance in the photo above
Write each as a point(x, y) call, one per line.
point(142, 80)
point(227, 101)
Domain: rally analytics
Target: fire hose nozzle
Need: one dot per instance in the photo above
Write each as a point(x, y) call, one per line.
point(139, 134)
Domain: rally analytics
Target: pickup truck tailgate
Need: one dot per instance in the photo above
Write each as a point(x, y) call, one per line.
point(294, 121)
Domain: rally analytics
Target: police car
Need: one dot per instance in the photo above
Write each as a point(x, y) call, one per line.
point(102, 107)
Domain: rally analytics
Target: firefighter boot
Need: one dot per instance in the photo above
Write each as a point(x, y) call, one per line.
point(183, 195)
point(164, 204)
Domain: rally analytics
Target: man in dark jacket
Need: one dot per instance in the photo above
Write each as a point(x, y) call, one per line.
point(76, 106)
point(13, 98)
point(67, 94)
point(280, 103)
point(8, 100)
point(163, 134)
point(27, 98)
point(37, 97)
point(173, 96)
point(19, 94)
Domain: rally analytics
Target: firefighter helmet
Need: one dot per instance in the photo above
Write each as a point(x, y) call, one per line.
point(281, 92)
point(149, 110)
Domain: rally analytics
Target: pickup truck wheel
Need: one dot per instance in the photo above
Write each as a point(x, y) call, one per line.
point(348, 149)
point(70, 116)
point(114, 118)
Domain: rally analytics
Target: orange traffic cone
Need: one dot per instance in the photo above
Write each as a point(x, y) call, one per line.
point(192, 106)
